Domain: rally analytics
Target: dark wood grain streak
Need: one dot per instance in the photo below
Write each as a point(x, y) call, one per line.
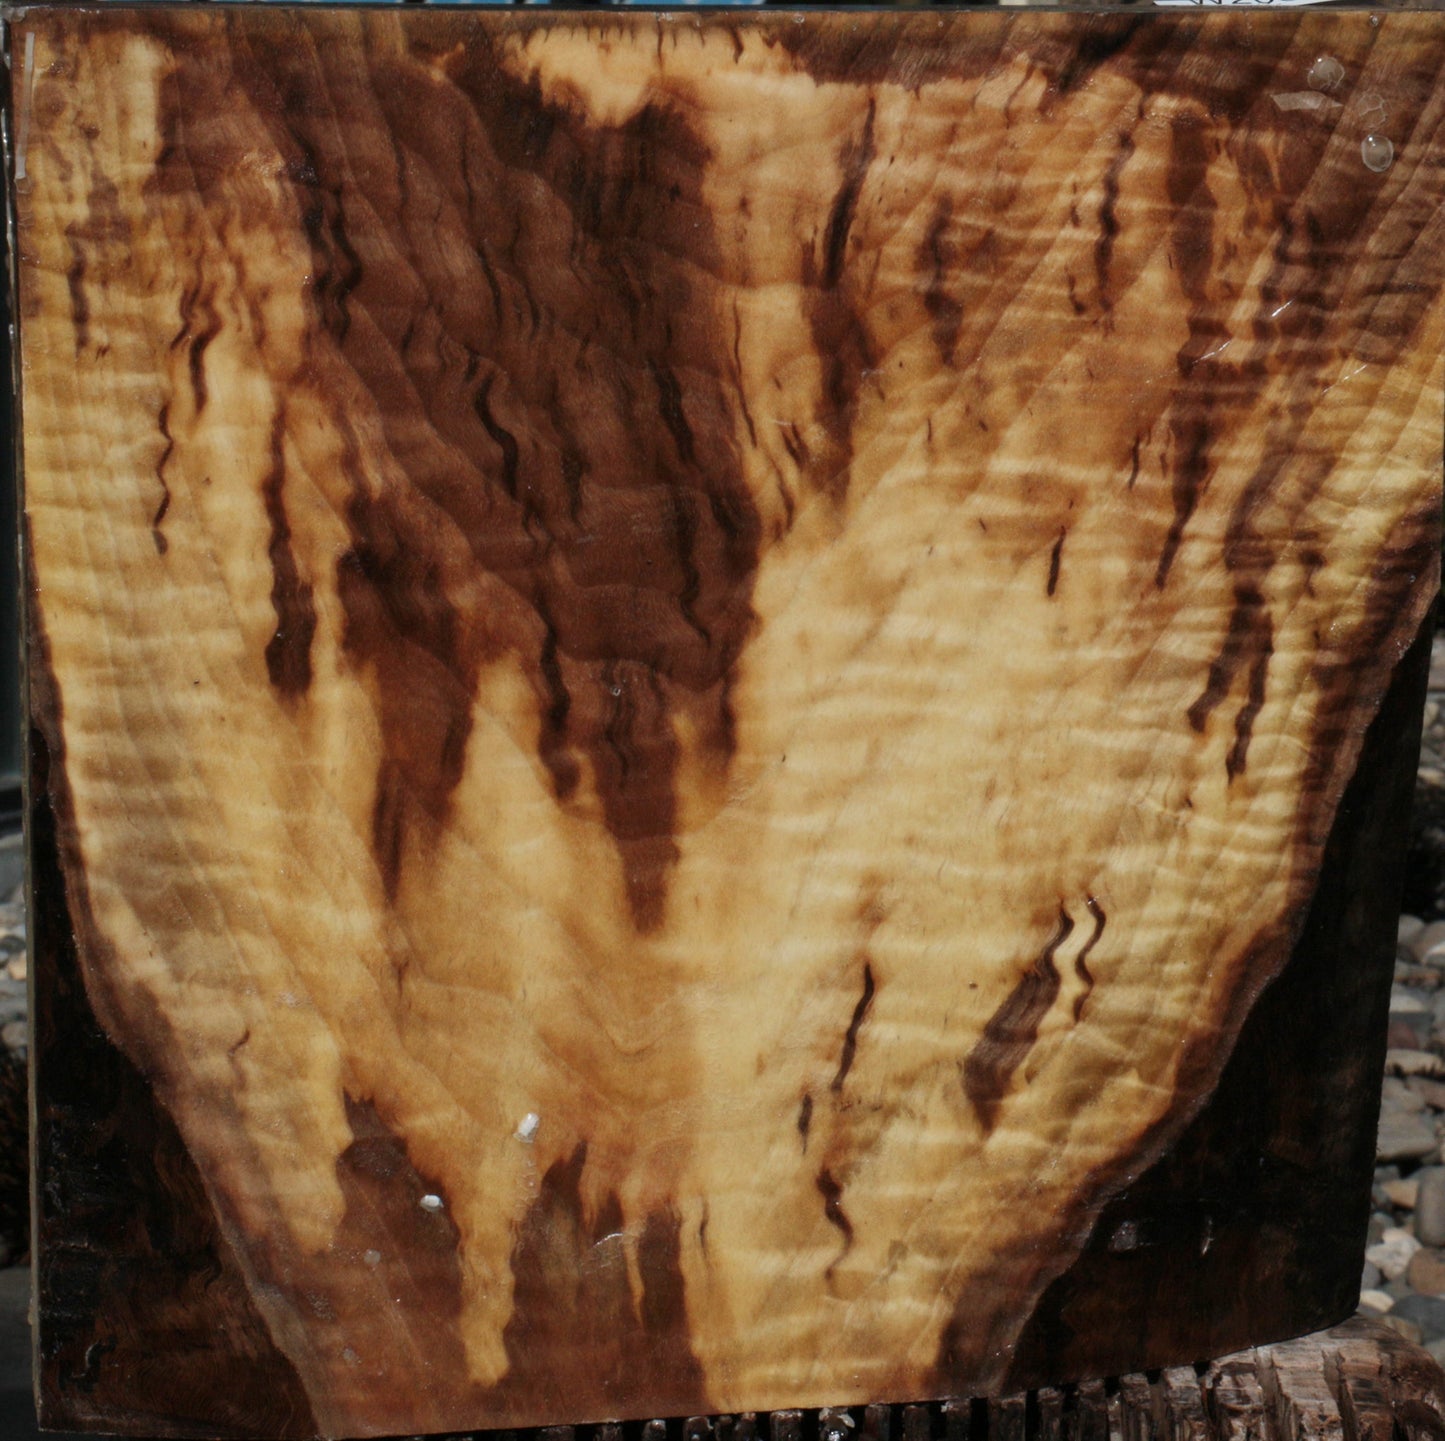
point(1108, 216)
point(1081, 961)
point(163, 425)
point(1298, 299)
point(398, 1229)
point(582, 1335)
point(1056, 557)
point(623, 554)
point(830, 1188)
point(936, 261)
point(1192, 249)
point(839, 333)
point(1010, 1034)
point(288, 652)
point(135, 1277)
point(855, 1024)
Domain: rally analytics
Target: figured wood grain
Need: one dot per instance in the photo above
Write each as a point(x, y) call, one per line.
point(689, 675)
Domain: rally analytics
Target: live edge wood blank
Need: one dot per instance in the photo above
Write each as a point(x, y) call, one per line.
point(721, 706)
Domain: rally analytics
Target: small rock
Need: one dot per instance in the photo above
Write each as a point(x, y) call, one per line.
point(1411, 1017)
point(1427, 1312)
point(1404, 1327)
point(1393, 1253)
point(1376, 1301)
point(1426, 1272)
point(17, 967)
point(1436, 1350)
point(1431, 1092)
point(16, 1035)
point(1405, 1138)
point(1420, 978)
point(1408, 928)
point(1423, 940)
point(1370, 1277)
point(1408, 1033)
point(1402, 1193)
point(1402, 1096)
point(1406, 1061)
point(1430, 1206)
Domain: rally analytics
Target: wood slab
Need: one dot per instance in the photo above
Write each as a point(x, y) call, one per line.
point(721, 704)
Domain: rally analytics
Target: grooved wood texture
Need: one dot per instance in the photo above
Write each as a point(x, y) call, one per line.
point(690, 675)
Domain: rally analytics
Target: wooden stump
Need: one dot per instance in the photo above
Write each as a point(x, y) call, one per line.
point(721, 705)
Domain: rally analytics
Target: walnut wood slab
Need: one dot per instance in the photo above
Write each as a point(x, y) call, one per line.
point(692, 681)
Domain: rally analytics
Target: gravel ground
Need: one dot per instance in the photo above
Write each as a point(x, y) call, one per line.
point(14, 1105)
point(1404, 1275)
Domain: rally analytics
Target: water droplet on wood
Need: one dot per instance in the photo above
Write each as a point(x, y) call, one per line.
point(1378, 152)
point(1326, 73)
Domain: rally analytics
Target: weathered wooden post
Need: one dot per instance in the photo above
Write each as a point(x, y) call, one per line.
point(718, 705)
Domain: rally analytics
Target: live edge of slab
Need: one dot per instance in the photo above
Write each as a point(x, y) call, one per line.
point(720, 703)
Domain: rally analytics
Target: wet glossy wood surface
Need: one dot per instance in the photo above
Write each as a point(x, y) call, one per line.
point(689, 676)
